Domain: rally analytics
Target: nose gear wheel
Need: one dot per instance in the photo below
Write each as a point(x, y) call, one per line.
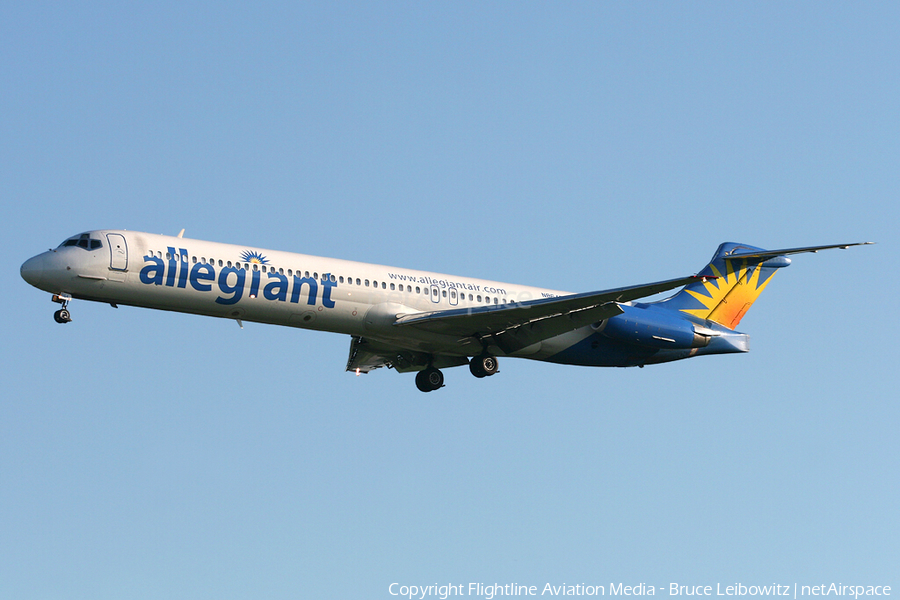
point(62, 315)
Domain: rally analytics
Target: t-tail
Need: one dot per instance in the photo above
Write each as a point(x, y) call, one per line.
point(733, 280)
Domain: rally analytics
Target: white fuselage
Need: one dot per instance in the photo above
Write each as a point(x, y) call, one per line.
point(414, 320)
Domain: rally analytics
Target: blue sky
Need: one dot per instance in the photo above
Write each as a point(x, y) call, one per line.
point(575, 146)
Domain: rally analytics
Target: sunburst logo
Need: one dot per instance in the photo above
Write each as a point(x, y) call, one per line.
point(254, 257)
point(727, 298)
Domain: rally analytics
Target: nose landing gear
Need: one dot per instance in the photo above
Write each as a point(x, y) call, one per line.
point(62, 315)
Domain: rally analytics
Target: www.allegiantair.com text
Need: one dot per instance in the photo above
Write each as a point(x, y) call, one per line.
point(490, 591)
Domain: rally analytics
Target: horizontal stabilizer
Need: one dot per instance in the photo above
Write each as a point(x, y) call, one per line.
point(773, 253)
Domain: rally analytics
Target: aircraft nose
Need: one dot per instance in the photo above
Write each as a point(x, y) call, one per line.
point(33, 269)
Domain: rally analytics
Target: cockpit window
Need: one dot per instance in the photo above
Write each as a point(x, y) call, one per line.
point(83, 241)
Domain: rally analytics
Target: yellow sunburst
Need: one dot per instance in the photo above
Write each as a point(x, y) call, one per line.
point(729, 296)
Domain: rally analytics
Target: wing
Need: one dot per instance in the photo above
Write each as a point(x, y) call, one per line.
point(515, 326)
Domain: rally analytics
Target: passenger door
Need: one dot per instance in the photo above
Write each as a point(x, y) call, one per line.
point(118, 252)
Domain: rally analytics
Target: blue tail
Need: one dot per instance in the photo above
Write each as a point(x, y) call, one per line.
point(737, 275)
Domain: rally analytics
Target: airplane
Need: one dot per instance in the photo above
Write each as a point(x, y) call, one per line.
point(413, 320)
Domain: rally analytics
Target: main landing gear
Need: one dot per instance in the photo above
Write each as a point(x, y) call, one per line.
point(62, 315)
point(483, 365)
point(431, 379)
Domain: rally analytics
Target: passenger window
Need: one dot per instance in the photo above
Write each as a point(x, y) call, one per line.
point(367, 283)
point(384, 286)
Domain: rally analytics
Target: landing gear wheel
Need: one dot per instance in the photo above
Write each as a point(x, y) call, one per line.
point(429, 380)
point(62, 316)
point(483, 365)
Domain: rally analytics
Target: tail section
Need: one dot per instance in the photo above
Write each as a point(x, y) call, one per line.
point(736, 276)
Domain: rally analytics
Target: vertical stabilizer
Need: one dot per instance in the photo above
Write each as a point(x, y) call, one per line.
point(738, 274)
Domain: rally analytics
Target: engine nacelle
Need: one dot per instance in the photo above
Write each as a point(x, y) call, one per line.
point(653, 328)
